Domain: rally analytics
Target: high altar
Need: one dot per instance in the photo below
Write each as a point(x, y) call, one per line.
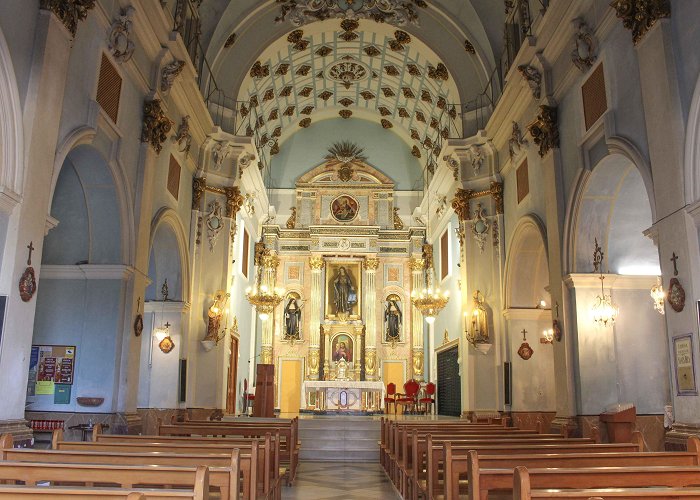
point(348, 265)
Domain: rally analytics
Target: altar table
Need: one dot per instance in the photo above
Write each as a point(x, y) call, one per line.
point(345, 394)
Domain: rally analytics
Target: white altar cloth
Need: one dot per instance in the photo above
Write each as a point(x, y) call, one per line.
point(332, 387)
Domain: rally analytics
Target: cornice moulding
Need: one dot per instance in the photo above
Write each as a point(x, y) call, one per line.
point(527, 314)
point(591, 281)
point(87, 272)
point(171, 306)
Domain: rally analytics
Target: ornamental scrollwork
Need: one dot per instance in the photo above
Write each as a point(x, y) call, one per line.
point(460, 203)
point(199, 185)
point(395, 12)
point(234, 200)
point(170, 72)
point(120, 44)
point(156, 125)
point(183, 137)
point(585, 50)
point(639, 16)
point(70, 12)
point(496, 190)
point(533, 78)
point(545, 130)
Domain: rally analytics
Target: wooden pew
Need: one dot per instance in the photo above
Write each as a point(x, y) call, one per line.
point(63, 493)
point(675, 477)
point(288, 431)
point(481, 474)
point(192, 479)
point(432, 455)
point(269, 457)
point(218, 463)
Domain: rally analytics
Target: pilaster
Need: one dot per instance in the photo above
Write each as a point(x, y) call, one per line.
point(370, 265)
point(417, 266)
point(317, 264)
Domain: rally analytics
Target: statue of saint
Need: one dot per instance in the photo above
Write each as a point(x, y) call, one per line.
point(292, 319)
point(341, 370)
point(393, 318)
point(344, 293)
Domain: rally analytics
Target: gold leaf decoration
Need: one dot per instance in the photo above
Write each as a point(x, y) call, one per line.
point(306, 91)
point(269, 95)
point(305, 123)
point(323, 51)
point(274, 114)
point(420, 116)
point(441, 102)
point(243, 111)
point(384, 111)
point(286, 91)
point(408, 93)
point(415, 152)
point(386, 124)
point(345, 113)
point(253, 101)
point(403, 113)
point(289, 111)
point(349, 36)
point(372, 51)
point(414, 135)
point(346, 101)
point(391, 70)
point(307, 110)
point(434, 123)
point(282, 69)
point(438, 73)
point(413, 70)
point(325, 95)
point(259, 71)
point(425, 96)
point(388, 92)
point(303, 70)
point(367, 95)
point(277, 132)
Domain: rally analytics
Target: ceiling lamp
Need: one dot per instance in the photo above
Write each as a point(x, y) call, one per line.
point(658, 295)
point(429, 301)
point(264, 299)
point(603, 312)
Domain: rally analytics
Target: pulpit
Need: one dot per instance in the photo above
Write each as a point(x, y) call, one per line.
point(264, 391)
point(620, 421)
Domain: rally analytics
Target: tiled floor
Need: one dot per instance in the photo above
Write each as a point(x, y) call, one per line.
point(340, 481)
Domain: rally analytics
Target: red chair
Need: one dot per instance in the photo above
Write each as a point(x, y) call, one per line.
point(428, 401)
point(390, 398)
point(409, 399)
point(248, 399)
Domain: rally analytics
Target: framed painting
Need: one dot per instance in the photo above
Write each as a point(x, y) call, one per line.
point(684, 365)
point(344, 208)
point(342, 347)
point(343, 290)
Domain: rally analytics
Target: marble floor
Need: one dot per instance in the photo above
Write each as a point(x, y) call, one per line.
point(341, 481)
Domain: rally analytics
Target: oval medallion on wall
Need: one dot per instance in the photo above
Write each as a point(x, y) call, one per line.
point(344, 208)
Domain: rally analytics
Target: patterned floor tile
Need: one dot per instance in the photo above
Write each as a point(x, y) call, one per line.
point(340, 481)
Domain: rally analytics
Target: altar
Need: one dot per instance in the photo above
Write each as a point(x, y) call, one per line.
point(357, 395)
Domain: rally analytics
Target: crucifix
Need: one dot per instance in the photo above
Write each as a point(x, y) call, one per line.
point(167, 325)
point(674, 259)
point(524, 332)
point(31, 249)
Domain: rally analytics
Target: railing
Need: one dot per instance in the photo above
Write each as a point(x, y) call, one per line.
point(518, 26)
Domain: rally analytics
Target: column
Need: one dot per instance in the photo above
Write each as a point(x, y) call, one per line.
point(317, 263)
point(417, 266)
point(41, 116)
point(371, 264)
point(269, 279)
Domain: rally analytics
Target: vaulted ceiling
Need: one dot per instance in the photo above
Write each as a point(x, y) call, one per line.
point(351, 68)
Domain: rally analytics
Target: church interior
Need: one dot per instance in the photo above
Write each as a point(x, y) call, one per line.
point(411, 242)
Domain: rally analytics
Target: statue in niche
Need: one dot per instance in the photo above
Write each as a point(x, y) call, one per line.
point(345, 295)
point(292, 318)
point(393, 318)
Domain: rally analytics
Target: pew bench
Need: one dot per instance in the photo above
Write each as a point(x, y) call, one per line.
point(523, 479)
point(63, 493)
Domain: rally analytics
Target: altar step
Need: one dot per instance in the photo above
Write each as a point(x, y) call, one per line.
point(339, 439)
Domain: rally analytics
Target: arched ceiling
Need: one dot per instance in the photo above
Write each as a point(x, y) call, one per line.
point(350, 67)
point(408, 84)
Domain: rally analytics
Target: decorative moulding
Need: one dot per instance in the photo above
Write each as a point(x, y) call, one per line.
point(527, 314)
point(87, 271)
point(612, 281)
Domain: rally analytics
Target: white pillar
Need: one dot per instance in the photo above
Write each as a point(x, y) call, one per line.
point(417, 266)
point(317, 265)
point(371, 264)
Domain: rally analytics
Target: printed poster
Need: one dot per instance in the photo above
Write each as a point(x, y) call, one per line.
point(685, 366)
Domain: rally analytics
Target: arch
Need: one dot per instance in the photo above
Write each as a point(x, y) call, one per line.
point(166, 224)
point(84, 200)
point(84, 136)
point(11, 132)
point(692, 149)
point(612, 203)
point(527, 248)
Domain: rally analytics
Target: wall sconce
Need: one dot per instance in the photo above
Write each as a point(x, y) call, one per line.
point(658, 295)
point(542, 304)
point(162, 333)
point(476, 325)
point(547, 336)
point(215, 313)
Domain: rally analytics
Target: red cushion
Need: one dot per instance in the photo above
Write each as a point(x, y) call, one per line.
point(426, 400)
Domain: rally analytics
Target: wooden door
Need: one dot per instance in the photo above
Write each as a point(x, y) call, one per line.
point(232, 377)
point(290, 385)
point(264, 405)
point(449, 385)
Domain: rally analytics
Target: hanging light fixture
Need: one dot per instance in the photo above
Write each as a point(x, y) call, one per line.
point(264, 299)
point(658, 295)
point(603, 312)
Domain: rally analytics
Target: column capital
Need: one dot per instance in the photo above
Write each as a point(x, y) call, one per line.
point(460, 203)
point(317, 263)
point(416, 264)
point(640, 17)
point(69, 12)
point(270, 261)
point(371, 264)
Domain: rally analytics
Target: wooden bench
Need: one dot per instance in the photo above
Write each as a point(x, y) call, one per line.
point(477, 475)
point(289, 447)
point(431, 454)
point(194, 479)
point(676, 477)
point(63, 493)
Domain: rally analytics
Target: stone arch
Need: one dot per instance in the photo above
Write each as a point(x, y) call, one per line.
point(168, 257)
point(612, 203)
point(524, 288)
point(11, 132)
point(692, 149)
point(84, 197)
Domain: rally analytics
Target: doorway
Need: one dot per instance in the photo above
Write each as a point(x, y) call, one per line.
point(449, 385)
point(232, 378)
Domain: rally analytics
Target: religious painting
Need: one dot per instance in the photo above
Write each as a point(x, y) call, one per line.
point(292, 316)
point(684, 359)
point(341, 348)
point(343, 291)
point(393, 319)
point(344, 208)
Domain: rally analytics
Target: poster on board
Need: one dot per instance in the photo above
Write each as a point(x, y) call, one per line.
point(684, 361)
point(50, 365)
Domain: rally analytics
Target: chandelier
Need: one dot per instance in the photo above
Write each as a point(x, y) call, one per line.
point(429, 301)
point(658, 295)
point(264, 299)
point(603, 312)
